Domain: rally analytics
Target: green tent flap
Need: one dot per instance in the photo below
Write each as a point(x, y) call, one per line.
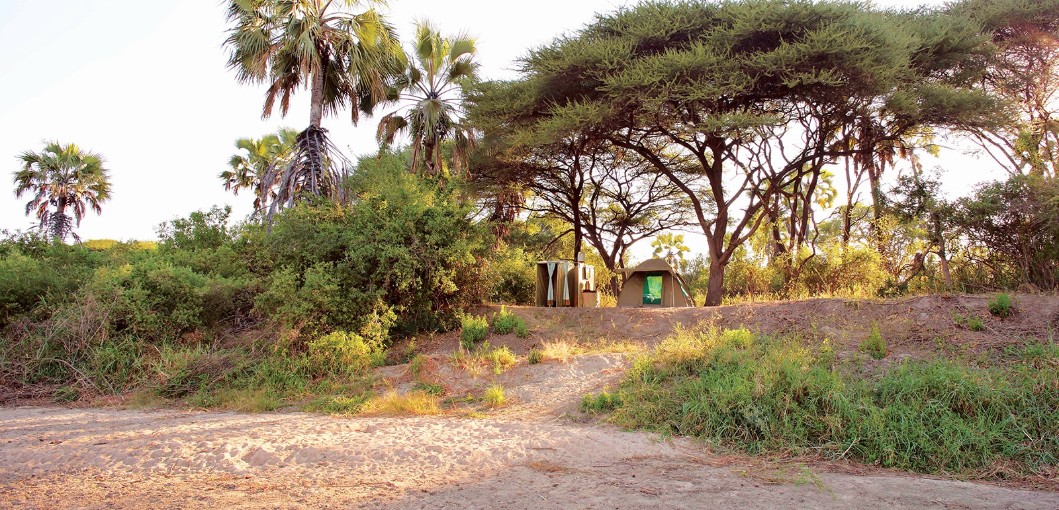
point(652, 289)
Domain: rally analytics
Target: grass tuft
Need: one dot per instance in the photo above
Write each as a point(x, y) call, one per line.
point(494, 396)
point(415, 403)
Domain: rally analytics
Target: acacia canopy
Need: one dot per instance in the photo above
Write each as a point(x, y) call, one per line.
point(748, 96)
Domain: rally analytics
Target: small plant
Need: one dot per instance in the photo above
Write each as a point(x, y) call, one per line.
point(473, 330)
point(505, 322)
point(494, 396)
point(501, 358)
point(66, 394)
point(521, 329)
point(535, 356)
point(416, 365)
point(1000, 305)
point(434, 389)
point(974, 323)
point(604, 402)
point(874, 345)
point(560, 350)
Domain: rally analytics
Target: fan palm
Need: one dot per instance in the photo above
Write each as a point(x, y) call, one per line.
point(345, 59)
point(256, 159)
point(433, 86)
point(62, 178)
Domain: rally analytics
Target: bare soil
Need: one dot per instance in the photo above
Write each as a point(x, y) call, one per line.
point(536, 452)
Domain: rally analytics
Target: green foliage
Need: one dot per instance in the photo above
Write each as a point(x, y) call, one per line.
point(974, 323)
point(874, 345)
point(1000, 305)
point(506, 322)
point(405, 244)
point(602, 402)
point(785, 395)
point(535, 356)
point(473, 330)
point(512, 273)
point(341, 352)
point(432, 389)
point(66, 394)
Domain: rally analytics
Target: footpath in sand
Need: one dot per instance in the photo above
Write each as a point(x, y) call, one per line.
point(526, 456)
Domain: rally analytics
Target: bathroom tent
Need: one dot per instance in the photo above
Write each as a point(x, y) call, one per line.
point(654, 283)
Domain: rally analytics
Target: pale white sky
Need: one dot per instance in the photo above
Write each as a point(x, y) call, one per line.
point(144, 84)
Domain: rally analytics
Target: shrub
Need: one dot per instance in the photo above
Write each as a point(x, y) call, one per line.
point(974, 323)
point(473, 330)
point(874, 345)
point(494, 396)
point(1000, 305)
point(535, 356)
point(341, 352)
point(506, 322)
point(500, 358)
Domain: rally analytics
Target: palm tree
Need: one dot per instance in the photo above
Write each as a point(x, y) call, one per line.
point(256, 160)
point(434, 84)
point(62, 177)
point(345, 59)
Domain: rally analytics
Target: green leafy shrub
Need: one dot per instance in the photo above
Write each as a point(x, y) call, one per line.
point(1000, 305)
point(975, 323)
point(521, 329)
point(875, 344)
point(341, 352)
point(512, 272)
point(506, 322)
point(473, 330)
point(535, 356)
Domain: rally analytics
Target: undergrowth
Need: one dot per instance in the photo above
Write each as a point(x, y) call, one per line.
point(762, 394)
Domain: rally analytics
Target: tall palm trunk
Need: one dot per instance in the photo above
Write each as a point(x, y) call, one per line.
point(316, 108)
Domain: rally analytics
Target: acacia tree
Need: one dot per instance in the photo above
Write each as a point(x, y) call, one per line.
point(345, 59)
point(609, 196)
point(433, 84)
point(1024, 73)
point(698, 89)
point(256, 159)
point(62, 178)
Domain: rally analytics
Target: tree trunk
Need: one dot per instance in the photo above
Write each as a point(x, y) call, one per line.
point(716, 284)
point(316, 108)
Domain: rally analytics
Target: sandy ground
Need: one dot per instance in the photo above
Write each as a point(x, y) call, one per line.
point(530, 454)
point(73, 458)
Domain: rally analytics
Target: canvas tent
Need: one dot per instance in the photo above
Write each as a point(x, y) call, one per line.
point(654, 283)
point(566, 283)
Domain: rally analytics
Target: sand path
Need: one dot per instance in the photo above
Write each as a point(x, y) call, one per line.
point(103, 458)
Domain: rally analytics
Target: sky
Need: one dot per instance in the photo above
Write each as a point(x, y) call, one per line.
point(145, 84)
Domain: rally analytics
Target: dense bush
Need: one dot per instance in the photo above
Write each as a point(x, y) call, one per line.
point(405, 244)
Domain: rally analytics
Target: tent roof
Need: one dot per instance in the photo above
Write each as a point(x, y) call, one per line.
point(652, 266)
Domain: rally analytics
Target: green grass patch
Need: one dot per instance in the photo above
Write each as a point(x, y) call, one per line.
point(760, 394)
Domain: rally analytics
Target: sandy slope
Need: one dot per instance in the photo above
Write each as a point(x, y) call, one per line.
point(66, 458)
